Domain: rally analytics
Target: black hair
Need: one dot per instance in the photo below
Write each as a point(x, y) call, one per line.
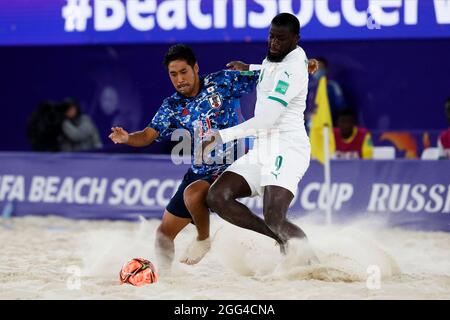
point(180, 52)
point(44, 127)
point(347, 112)
point(67, 103)
point(287, 20)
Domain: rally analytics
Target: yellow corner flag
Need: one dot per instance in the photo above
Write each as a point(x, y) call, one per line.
point(320, 119)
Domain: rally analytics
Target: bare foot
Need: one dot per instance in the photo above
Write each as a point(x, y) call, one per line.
point(196, 251)
point(283, 247)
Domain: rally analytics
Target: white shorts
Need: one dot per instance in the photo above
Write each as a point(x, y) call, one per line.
point(283, 166)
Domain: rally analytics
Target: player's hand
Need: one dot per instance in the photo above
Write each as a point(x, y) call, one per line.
point(238, 65)
point(313, 66)
point(119, 135)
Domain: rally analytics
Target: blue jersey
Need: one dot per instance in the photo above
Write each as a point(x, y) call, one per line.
point(215, 107)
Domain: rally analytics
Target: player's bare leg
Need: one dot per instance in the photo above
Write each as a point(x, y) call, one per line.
point(170, 226)
point(195, 201)
point(275, 207)
point(222, 199)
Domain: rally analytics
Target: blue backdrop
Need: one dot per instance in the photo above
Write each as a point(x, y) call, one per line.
point(395, 84)
point(150, 21)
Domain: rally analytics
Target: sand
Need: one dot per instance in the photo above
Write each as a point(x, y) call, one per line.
point(56, 258)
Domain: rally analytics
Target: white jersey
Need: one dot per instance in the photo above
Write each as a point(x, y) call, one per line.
point(281, 154)
point(286, 82)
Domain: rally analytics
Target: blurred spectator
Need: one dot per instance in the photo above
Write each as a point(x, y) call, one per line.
point(335, 95)
point(116, 101)
point(78, 131)
point(44, 127)
point(444, 137)
point(352, 142)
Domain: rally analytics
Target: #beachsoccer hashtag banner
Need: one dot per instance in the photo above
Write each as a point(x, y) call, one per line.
point(404, 193)
point(28, 22)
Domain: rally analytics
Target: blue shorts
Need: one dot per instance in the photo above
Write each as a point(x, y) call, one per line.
point(176, 205)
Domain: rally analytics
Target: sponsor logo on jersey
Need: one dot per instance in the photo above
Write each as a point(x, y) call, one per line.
point(282, 87)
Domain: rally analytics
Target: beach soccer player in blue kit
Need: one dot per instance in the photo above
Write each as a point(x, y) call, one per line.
point(199, 105)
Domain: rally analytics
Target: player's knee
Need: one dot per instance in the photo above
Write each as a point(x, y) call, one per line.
point(216, 199)
point(193, 199)
point(212, 200)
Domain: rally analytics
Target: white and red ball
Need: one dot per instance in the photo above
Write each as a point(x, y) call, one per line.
point(138, 272)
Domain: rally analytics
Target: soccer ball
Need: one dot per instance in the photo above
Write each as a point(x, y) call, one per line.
point(138, 272)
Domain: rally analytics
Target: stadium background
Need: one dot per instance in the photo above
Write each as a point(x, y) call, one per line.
point(395, 75)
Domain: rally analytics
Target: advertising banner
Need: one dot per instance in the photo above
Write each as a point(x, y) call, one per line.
point(41, 22)
point(404, 193)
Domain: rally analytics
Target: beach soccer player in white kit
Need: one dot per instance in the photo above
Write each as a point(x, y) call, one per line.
point(281, 155)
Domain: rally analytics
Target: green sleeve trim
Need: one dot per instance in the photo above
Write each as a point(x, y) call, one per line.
point(284, 103)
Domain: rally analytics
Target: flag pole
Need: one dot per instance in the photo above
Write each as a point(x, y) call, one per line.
point(327, 174)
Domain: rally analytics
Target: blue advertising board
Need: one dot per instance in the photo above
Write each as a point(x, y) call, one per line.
point(41, 22)
point(403, 193)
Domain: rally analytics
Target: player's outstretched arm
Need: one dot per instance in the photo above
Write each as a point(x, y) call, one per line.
point(313, 66)
point(238, 65)
point(242, 66)
point(136, 139)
